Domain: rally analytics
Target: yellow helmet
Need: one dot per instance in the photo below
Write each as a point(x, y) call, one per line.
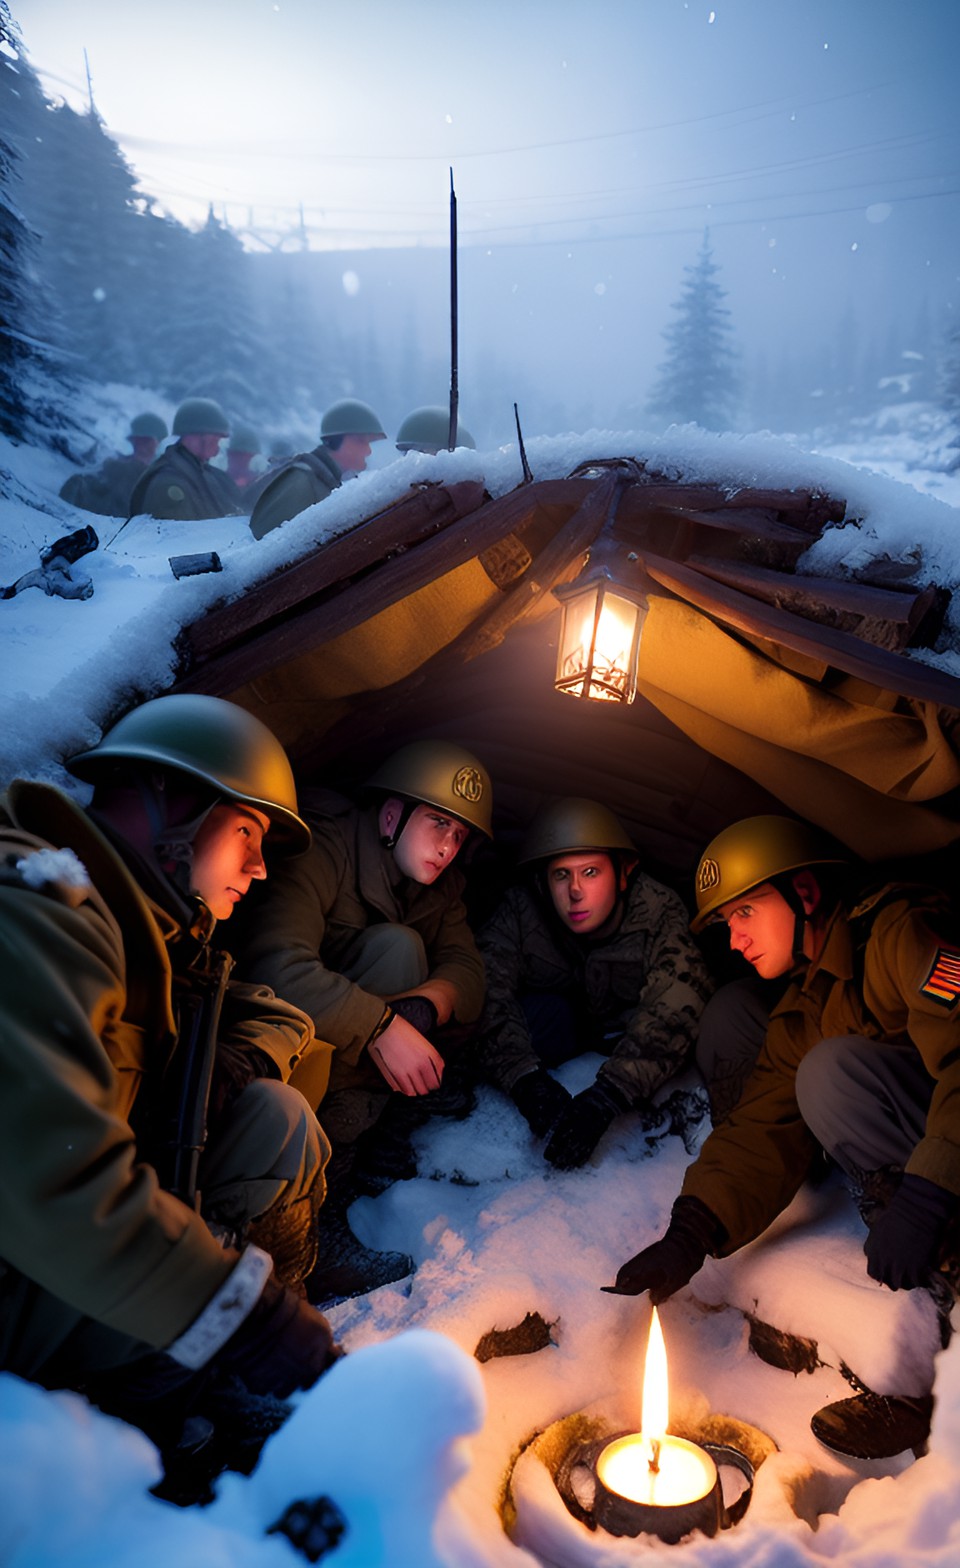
point(439, 773)
point(754, 851)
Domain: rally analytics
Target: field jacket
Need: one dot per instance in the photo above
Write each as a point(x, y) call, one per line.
point(887, 971)
point(178, 487)
point(306, 479)
point(306, 920)
point(88, 1022)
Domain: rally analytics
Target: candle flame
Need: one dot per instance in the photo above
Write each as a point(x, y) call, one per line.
point(655, 1409)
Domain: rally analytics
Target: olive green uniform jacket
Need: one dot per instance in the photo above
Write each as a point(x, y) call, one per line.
point(646, 979)
point(306, 920)
point(87, 1019)
point(877, 976)
point(178, 487)
point(306, 479)
point(108, 489)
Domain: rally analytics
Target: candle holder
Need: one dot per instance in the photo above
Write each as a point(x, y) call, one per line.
point(571, 1449)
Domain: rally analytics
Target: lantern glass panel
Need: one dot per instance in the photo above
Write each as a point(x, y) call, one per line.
point(599, 644)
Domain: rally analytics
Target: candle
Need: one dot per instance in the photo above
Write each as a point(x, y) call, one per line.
point(649, 1480)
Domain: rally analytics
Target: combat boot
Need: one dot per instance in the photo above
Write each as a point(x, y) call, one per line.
point(345, 1267)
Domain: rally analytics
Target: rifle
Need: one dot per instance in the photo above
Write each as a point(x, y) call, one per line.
point(181, 1126)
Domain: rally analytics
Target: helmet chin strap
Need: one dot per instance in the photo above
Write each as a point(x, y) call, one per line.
point(390, 840)
point(785, 887)
point(172, 843)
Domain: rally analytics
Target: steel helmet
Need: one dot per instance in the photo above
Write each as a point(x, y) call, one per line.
point(572, 824)
point(149, 425)
point(350, 417)
point(200, 416)
point(428, 430)
point(439, 773)
point(754, 851)
point(243, 439)
point(212, 740)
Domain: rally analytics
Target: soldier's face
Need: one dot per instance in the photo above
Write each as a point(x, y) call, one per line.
point(584, 889)
point(762, 926)
point(228, 856)
point(352, 453)
point(428, 843)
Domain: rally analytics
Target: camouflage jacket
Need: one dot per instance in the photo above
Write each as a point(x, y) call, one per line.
point(178, 487)
point(645, 985)
point(889, 970)
point(306, 479)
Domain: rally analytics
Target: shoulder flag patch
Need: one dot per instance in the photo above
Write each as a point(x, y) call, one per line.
point(943, 982)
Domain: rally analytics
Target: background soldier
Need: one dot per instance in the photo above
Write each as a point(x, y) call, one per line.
point(242, 448)
point(346, 433)
point(116, 1013)
point(107, 491)
point(182, 485)
point(859, 1057)
point(586, 954)
point(428, 430)
point(368, 934)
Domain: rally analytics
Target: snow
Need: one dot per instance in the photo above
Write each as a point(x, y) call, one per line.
point(412, 1438)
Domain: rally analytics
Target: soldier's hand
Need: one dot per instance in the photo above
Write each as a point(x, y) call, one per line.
point(582, 1125)
point(408, 1061)
point(283, 1344)
point(903, 1244)
point(540, 1099)
point(670, 1263)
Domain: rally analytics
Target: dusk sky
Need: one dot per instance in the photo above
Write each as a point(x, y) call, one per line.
point(592, 144)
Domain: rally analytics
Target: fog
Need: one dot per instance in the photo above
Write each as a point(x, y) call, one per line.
point(593, 145)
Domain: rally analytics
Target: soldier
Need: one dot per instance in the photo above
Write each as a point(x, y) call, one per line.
point(428, 430)
point(182, 485)
point(107, 491)
point(242, 448)
point(116, 1012)
point(346, 432)
point(368, 934)
point(859, 1057)
point(587, 953)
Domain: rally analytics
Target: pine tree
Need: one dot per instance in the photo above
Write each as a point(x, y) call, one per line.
point(30, 391)
point(698, 379)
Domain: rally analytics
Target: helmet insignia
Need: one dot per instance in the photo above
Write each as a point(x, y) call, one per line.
point(708, 875)
point(468, 784)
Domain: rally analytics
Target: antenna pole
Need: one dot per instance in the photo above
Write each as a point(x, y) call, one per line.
point(454, 373)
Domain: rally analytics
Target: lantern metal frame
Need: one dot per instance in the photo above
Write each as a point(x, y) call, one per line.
point(582, 670)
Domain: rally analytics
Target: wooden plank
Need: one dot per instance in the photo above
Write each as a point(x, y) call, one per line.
point(413, 517)
point(312, 623)
point(890, 671)
point(887, 617)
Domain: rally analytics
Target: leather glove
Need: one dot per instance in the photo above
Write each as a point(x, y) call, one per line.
point(283, 1344)
point(904, 1241)
point(670, 1263)
point(540, 1100)
point(416, 1010)
point(582, 1125)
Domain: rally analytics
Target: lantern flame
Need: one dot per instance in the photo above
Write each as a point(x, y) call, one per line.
point(655, 1409)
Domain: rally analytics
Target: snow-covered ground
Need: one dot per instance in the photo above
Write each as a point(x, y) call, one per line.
point(410, 1436)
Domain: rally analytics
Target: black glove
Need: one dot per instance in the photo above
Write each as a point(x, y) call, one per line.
point(670, 1263)
point(583, 1124)
point(281, 1345)
point(540, 1100)
point(904, 1241)
point(417, 1010)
